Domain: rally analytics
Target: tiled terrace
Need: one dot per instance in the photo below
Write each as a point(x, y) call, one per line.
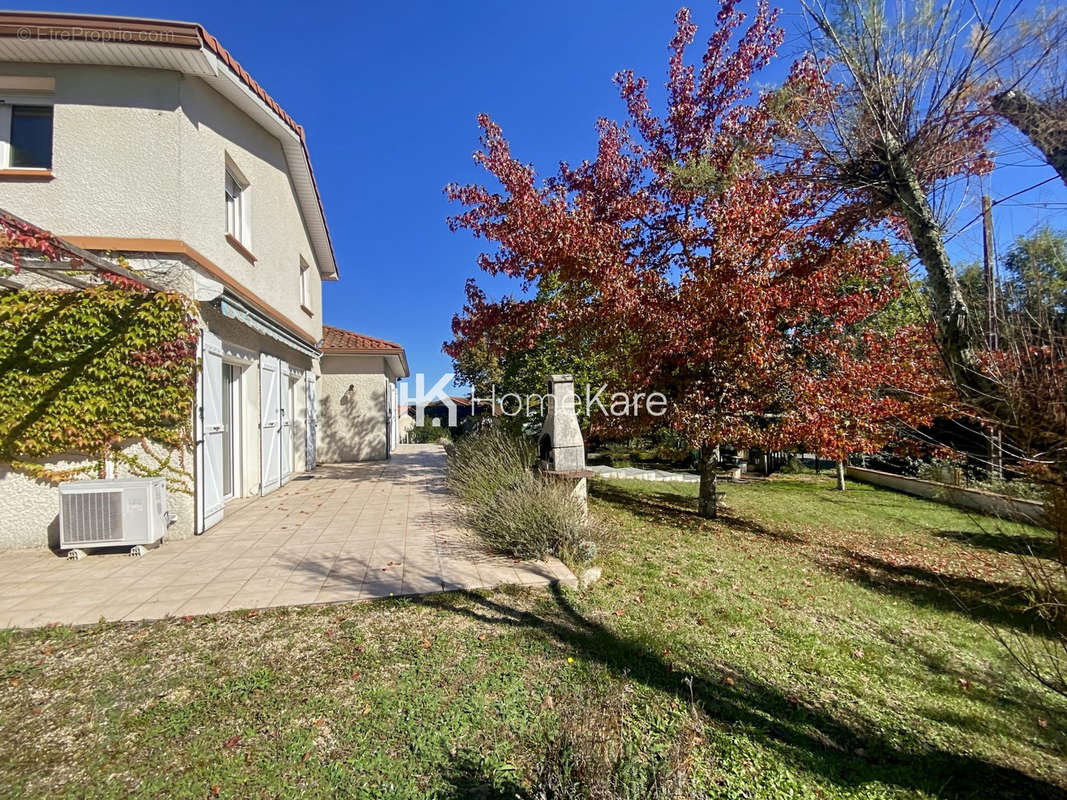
point(342, 533)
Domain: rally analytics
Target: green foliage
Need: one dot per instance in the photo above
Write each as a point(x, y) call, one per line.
point(1036, 268)
point(86, 372)
point(488, 460)
point(428, 433)
point(703, 176)
point(524, 371)
point(1032, 289)
point(512, 509)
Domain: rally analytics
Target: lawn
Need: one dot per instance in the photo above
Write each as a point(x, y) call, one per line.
point(809, 644)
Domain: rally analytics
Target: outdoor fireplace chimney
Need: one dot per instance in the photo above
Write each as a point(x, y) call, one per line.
point(560, 445)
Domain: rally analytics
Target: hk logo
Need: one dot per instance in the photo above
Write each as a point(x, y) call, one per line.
point(423, 398)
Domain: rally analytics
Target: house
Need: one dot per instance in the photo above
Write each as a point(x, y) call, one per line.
point(358, 418)
point(147, 141)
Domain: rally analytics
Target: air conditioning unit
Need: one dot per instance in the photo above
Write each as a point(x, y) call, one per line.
point(112, 513)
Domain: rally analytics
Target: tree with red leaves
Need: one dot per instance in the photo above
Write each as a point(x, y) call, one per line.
point(689, 251)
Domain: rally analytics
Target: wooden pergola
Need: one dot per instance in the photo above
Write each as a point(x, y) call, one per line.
point(25, 247)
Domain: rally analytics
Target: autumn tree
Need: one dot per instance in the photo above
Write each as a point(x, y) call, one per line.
point(686, 251)
point(907, 90)
point(1030, 61)
point(501, 360)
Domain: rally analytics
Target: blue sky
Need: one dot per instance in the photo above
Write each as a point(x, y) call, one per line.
point(389, 96)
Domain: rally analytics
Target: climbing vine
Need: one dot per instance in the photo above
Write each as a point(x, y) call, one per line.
point(89, 372)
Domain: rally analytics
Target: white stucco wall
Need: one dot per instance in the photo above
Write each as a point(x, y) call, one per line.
point(352, 409)
point(141, 153)
point(212, 129)
point(115, 154)
point(29, 508)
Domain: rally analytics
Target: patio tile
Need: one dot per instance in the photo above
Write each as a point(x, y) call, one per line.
point(364, 531)
point(152, 611)
point(176, 594)
point(205, 604)
point(226, 587)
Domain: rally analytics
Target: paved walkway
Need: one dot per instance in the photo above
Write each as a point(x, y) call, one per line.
point(345, 532)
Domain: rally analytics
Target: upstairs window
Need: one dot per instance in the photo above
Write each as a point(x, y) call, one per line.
point(237, 207)
point(305, 285)
point(25, 137)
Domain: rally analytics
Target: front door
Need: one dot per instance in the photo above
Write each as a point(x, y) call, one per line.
point(211, 461)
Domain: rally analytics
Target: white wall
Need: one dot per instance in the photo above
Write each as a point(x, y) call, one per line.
point(116, 154)
point(141, 153)
point(29, 508)
point(353, 402)
point(211, 129)
point(995, 505)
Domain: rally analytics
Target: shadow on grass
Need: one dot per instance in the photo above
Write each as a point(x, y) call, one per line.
point(1042, 546)
point(467, 779)
point(649, 504)
point(679, 510)
point(995, 603)
point(816, 740)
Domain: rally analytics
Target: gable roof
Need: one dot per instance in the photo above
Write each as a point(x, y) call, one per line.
point(338, 341)
point(47, 37)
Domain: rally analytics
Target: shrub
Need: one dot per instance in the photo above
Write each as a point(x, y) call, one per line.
point(483, 463)
point(603, 753)
point(428, 433)
point(511, 508)
point(531, 519)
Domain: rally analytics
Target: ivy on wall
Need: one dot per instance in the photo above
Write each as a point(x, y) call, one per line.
point(89, 372)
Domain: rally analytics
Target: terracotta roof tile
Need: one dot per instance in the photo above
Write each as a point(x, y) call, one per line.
point(339, 339)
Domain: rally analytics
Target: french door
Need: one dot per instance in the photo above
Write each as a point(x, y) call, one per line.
point(210, 432)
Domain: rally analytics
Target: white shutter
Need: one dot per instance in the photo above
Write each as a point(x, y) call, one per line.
point(211, 431)
point(270, 457)
point(285, 395)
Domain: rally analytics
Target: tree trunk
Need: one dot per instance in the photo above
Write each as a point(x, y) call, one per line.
point(841, 474)
point(708, 504)
point(950, 309)
point(1041, 123)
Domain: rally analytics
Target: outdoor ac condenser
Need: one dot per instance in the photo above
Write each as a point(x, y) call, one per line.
point(112, 513)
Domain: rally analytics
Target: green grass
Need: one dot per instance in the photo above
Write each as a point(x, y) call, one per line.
point(809, 644)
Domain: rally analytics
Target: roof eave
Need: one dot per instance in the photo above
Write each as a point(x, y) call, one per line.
point(136, 40)
point(394, 352)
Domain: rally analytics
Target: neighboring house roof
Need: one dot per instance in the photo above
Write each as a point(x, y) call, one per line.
point(338, 341)
point(56, 38)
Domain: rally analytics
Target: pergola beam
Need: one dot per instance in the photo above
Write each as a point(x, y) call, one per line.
point(90, 261)
point(64, 277)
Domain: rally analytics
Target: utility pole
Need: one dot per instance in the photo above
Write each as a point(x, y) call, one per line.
point(996, 453)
